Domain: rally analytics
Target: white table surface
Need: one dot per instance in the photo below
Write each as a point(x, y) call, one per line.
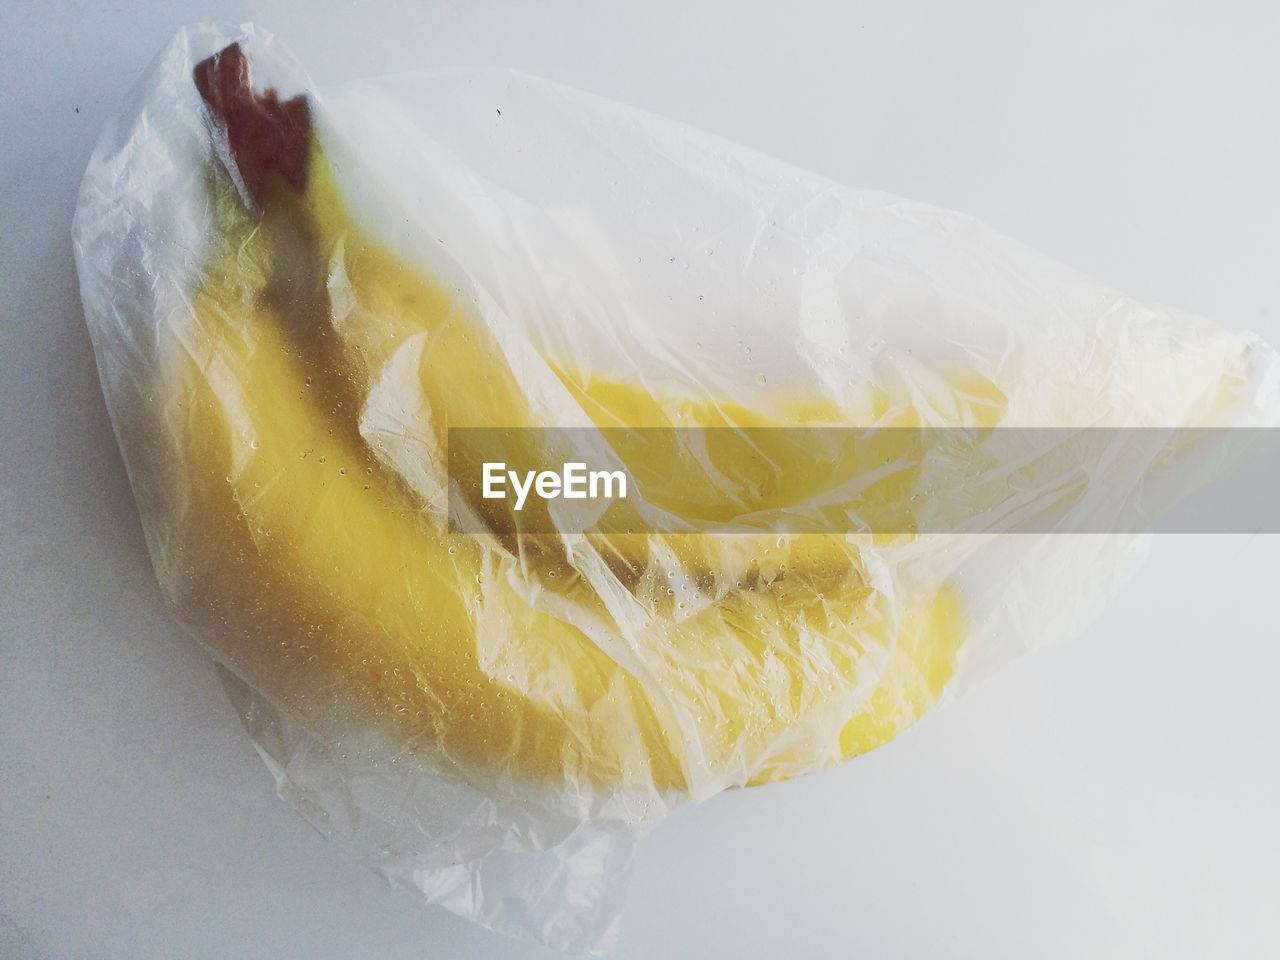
point(1114, 797)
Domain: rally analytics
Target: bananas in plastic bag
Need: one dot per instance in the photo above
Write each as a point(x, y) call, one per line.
point(296, 302)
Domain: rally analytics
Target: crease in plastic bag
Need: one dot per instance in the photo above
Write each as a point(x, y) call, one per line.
point(494, 723)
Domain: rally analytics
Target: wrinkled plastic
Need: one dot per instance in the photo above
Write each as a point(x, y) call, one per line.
point(493, 722)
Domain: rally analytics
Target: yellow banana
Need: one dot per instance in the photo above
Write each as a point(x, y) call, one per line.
point(750, 657)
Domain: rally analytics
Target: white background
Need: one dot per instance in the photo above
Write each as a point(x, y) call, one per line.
point(1116, 797)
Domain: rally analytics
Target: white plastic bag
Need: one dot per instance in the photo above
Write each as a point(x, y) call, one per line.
point(609, 264)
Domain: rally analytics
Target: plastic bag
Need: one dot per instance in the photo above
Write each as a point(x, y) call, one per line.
point(285, 338)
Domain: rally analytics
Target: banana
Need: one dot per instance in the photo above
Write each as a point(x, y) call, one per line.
point(608, 662)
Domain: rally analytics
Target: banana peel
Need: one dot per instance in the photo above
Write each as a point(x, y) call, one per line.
point(747, 658)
